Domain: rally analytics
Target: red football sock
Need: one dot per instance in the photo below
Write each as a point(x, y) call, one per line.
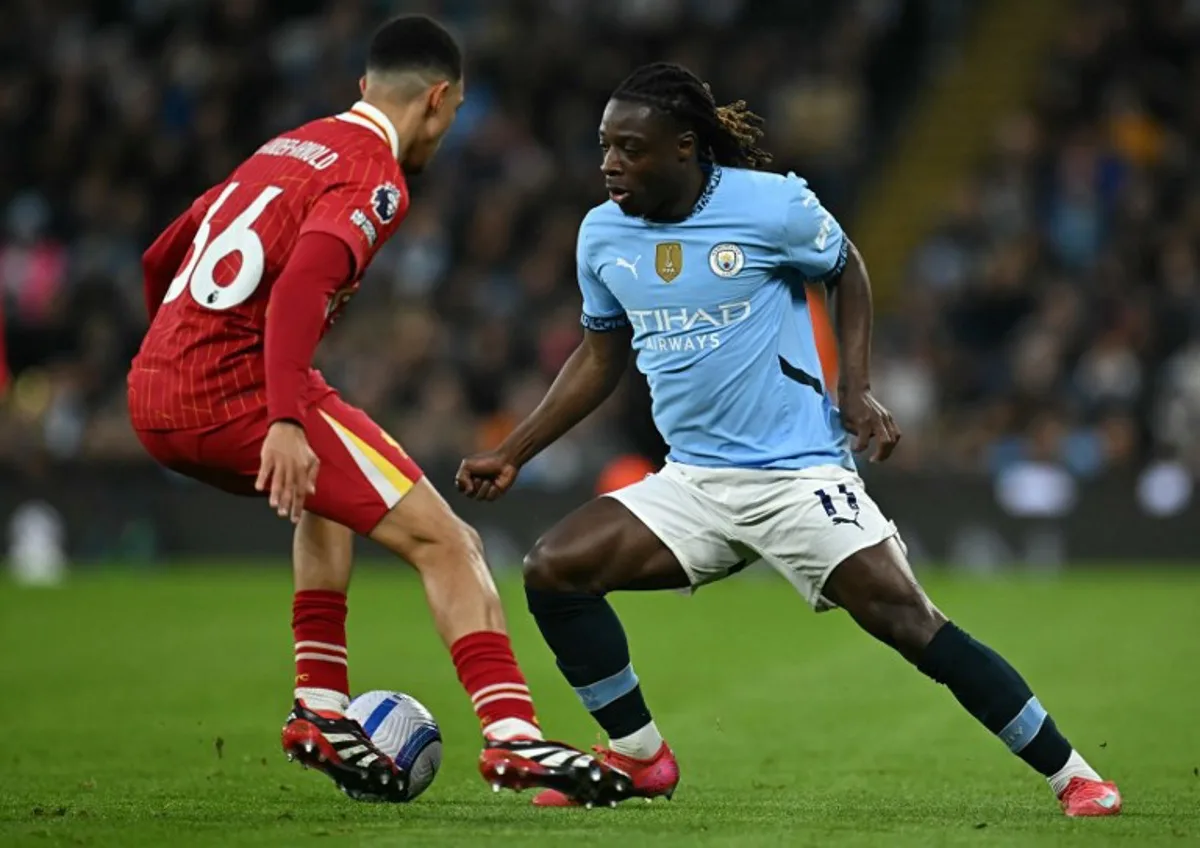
point(319, 627)
point(489, 672)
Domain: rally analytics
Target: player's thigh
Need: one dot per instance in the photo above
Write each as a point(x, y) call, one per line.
point(807, 523)
point(363, 474)
point(876, 587)
point(601, 547)
point(322, 554)
point(173, 449)
point(658, 533)
point(225, 457)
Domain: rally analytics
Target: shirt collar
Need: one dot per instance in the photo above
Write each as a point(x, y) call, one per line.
point(710, 186)
point(365, 115)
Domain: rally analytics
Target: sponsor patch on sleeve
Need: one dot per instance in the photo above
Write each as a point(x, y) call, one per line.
point(359, 219)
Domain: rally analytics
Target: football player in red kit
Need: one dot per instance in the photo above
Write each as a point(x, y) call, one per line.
point(240, 289)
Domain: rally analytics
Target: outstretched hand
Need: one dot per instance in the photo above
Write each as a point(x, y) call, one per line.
point(867, 420)
point(486, 476)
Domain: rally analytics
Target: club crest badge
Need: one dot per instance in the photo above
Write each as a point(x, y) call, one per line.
point(726, 260)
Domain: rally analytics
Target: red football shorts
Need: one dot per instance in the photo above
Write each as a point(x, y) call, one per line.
point(363, 473)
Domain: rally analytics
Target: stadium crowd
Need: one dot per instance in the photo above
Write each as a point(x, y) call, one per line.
point(1053, 314)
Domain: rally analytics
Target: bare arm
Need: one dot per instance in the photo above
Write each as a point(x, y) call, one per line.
point(855, 316)
point(862, 415)
point(589, 376)
point(586, 380)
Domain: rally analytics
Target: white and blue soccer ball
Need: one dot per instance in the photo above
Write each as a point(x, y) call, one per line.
point(402, 728)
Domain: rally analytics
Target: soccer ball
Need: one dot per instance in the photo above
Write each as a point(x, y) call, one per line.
point(403, 729)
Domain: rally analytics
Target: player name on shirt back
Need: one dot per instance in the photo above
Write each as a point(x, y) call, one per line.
point(310, 152)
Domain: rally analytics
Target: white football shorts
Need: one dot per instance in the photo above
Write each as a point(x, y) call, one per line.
point(718, 521)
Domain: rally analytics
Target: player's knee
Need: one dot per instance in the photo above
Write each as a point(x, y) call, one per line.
point(906, 624)
point(451, 542)
point(470, 540)
point(539, 567)
point(548, 568)
point(462, 543)
point(916, 625)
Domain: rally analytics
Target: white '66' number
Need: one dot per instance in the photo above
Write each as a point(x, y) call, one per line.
point(238, 237)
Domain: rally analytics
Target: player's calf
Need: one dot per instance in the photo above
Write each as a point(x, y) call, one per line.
point(592, 652)
point(322, 553)
point(322, 666)
point(599, 548)
point(448, 554)
point(876, 587)
point(1000, 699)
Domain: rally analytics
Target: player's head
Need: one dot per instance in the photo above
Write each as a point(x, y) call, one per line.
point(659, 126)
point(415, 75)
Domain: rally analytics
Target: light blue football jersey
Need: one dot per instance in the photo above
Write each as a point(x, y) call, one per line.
point(720, 322)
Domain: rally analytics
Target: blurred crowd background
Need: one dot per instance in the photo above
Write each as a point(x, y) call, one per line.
point(1053, 314)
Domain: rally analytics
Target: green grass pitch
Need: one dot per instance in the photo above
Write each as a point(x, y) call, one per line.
point(143, 709)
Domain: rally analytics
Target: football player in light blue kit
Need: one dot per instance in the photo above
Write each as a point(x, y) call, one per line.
point(707, 267)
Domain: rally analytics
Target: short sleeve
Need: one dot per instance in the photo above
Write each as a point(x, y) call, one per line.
point(602, 312)
point(813, 241)
point(363, 212)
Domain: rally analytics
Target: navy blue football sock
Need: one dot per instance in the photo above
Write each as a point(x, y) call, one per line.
point(997, 696)
point(589, 644)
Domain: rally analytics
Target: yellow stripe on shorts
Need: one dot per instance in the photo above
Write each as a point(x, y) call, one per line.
point(385, 478)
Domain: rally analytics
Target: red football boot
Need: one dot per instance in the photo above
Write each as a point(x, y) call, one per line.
point(1084, 797)
point(656, 777)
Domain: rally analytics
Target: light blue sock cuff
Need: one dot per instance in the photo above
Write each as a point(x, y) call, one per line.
point(600, 694)
point(1020, 731)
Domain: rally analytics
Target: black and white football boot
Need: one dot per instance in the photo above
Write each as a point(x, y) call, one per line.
point(525, 763)
point(339, 747)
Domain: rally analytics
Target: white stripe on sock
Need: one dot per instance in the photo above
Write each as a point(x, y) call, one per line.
point(503, 696)
point(325, 646)
point(322, 658)
point(497, 687)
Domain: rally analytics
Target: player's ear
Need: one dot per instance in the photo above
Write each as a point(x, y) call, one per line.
point(686, 145)
point(436, 97)
point(362, 84)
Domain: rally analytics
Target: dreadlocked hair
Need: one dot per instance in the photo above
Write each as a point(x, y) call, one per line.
point(728, 134)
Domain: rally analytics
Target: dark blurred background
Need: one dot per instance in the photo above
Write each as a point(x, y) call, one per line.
point(1020, 174)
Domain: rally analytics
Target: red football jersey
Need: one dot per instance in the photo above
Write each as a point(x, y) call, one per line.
point(202, 360)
